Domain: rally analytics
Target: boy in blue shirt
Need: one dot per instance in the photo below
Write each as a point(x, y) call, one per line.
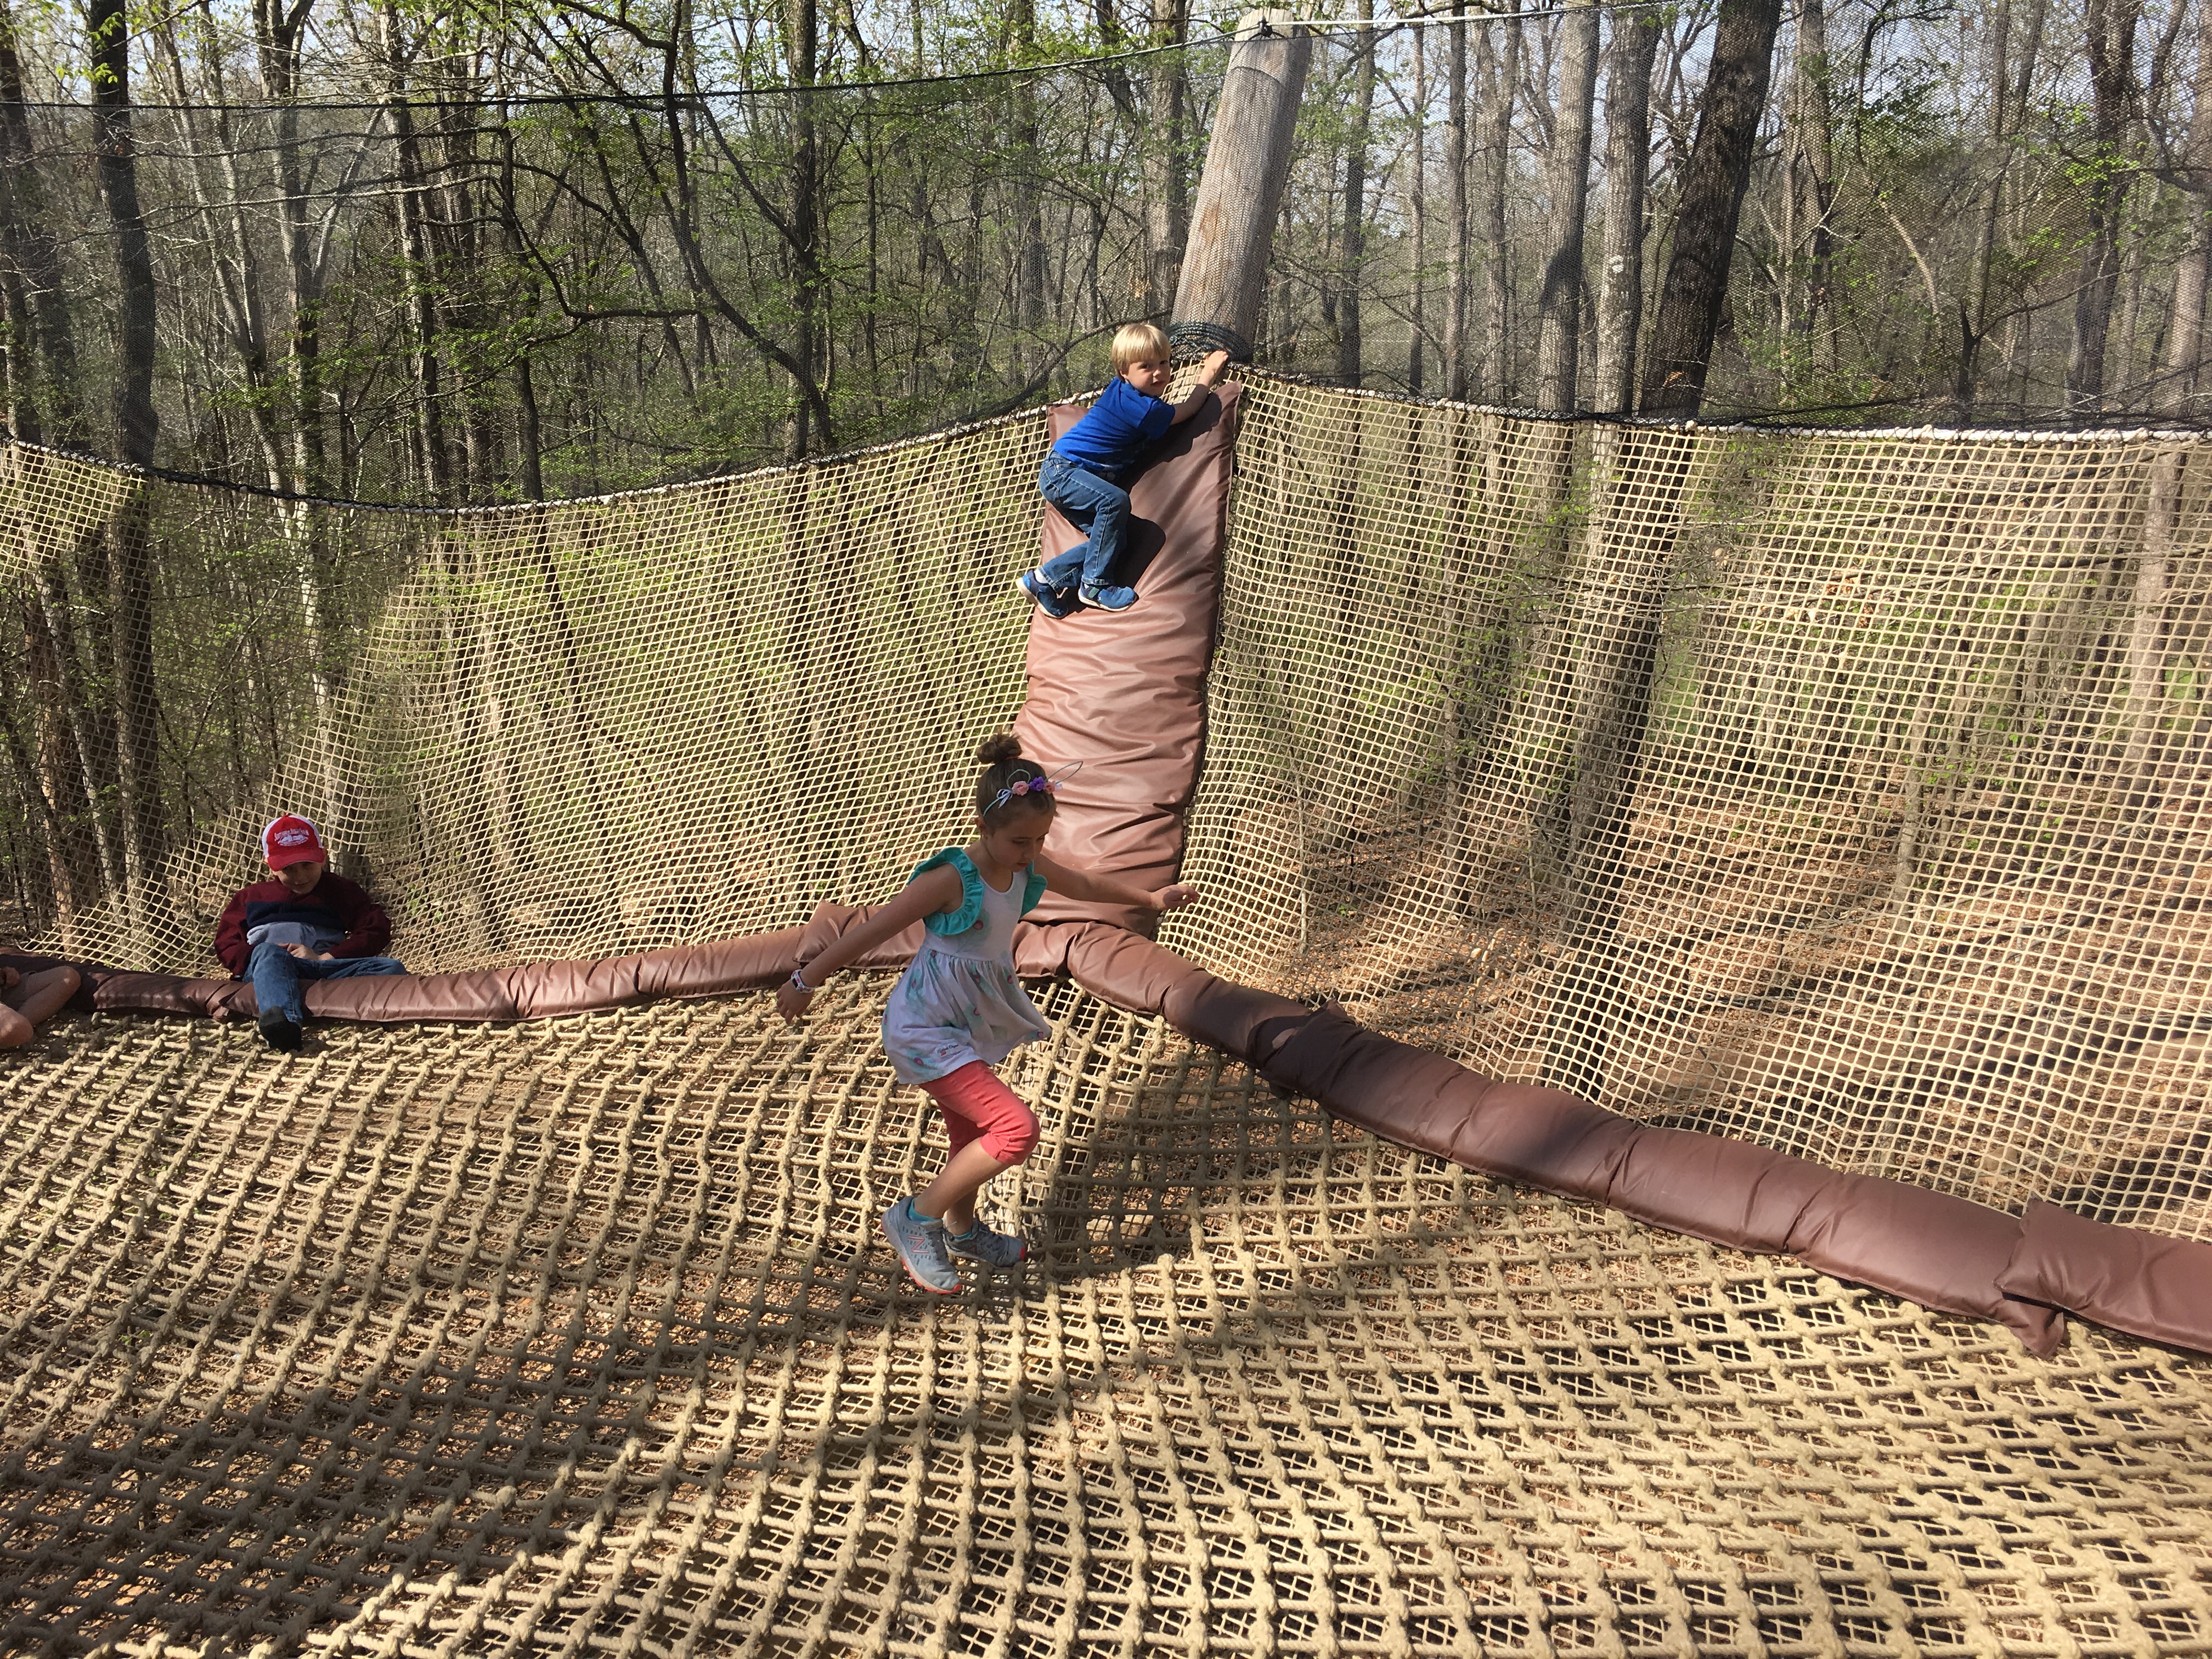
point(1085, 476)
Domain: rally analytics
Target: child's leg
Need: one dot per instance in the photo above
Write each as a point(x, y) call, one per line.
point(275, 973)
point(990, 1129)
point(355, 966)
point(1081, 496)
point(1109, 527)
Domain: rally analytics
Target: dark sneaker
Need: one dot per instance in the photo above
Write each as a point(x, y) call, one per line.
point(920, 1246)
point(1110, 599)
point(1055, 602)
point(992, 1249)
point(280, 1034)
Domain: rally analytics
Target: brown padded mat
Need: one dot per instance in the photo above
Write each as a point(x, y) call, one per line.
point(1124, 693)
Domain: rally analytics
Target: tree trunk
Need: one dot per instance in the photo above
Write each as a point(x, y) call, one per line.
point(16, 180)
point(2185, 337)
point(1461, 229)
point(1224, 283)
point(1501, 79)
point(1029, 207)
point(130, 595)
point(1566, 183)
point(2110, 31)
point(1417, 212)
point(73, 864)
point(433, 455)
point(277, 29)
point(1352, 272)
point(1166, 193)
point(1975, 325)
point(1813, 181)
point(462, 289)
point(1627, 169)
point(53, 399)
point(804, 21)
point(1696, 286)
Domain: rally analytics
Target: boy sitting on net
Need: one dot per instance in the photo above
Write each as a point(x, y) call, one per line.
point(304, 923)
point(1086, 475)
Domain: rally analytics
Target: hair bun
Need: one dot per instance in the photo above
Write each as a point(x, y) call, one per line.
point(997, 749)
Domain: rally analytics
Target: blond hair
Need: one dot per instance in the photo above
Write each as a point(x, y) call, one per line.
point(1138, 342)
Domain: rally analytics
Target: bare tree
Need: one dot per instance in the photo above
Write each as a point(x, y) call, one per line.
point(1566, 186)
point(1500, 62)
point(1352, 272)
point(1029, 212)
point(42, 366)
point(433, 456)
point(1696, 284)
point(1812, 181)
point(1627, 168)
point(1460, 257)
point(1166, 197)
point(2109, 31)
point(1417, 212)
point(2184, 340)
point(130, 592)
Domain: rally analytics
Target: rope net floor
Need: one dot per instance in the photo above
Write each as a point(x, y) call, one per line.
point(571, 1337)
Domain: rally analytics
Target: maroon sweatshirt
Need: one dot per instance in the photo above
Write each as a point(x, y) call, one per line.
point(340, 916)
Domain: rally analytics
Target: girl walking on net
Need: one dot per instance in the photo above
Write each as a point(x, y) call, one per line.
point(958, 1011)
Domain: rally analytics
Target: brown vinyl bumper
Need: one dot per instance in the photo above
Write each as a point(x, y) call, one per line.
point(1927, 1247)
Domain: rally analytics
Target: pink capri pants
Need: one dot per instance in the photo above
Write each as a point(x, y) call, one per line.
point(978, 1106)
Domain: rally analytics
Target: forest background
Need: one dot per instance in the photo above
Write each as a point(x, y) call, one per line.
point(488, 252)
point(478, 252)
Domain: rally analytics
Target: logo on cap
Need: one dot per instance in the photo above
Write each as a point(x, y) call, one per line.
point(290, 839)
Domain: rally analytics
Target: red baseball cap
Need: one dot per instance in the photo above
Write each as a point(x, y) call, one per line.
point(291, 840)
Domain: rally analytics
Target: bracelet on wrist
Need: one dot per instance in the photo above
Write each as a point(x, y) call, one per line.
point(804, 987)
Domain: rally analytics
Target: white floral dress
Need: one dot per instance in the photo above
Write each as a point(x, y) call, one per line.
point(958, 1001)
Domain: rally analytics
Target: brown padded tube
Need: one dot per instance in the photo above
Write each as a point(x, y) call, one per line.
point(533, 990)
point(1939, 1251)
point(1932, 1248)
point(2138, 1282)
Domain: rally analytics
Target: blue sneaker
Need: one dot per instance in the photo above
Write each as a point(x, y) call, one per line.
point(1055, 602)
point(1110, 599)
point(994, 1250)
point(919, 1242)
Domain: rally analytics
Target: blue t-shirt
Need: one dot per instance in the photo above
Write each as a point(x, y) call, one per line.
point(1117, 428)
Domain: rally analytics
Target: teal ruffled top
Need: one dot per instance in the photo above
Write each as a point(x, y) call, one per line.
point(971, 892)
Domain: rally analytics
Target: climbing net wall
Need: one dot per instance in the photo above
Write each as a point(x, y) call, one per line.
point(572, 1338)
point(556, 731)
point(1842, 791)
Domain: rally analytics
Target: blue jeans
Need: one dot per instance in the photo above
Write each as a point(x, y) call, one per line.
point(1096, 506)
point(279, 977)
